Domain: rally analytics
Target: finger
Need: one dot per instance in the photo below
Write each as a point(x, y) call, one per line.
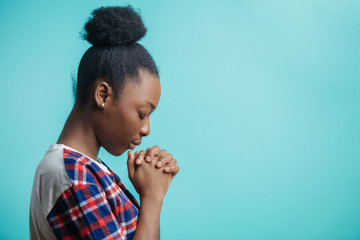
point(140, 157)
point(172, 167)
point(164, 160)
point(130, 164)
point(135, 155)
point(161, 155)
point(151, 152)
point(176, 170)
point(173, 170)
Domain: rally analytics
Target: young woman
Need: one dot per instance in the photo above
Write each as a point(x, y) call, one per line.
point(75, 195)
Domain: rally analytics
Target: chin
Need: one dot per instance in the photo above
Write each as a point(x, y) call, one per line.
point(116, 152)
point(120, 153)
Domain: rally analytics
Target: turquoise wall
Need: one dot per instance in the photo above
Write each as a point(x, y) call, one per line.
point(260, 105)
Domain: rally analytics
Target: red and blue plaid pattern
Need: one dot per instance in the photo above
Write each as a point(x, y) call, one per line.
point(97, 206)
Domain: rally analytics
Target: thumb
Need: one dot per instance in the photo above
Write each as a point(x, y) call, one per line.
point(131, 163)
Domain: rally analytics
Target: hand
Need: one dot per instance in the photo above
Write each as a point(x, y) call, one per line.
point(150, 182)
point(163, 159)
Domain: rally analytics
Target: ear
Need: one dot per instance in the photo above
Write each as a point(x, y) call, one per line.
point(102, 94)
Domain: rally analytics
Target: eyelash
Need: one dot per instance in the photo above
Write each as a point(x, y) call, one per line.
point(141, 117)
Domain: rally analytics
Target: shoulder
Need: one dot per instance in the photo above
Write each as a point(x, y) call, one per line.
point(52, 162)
point(51, 170)
point(50, 179)
point(81, 169)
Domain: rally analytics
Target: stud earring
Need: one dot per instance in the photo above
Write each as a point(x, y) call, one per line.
point(102, 105)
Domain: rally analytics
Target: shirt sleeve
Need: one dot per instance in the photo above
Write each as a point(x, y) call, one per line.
point(82, 212)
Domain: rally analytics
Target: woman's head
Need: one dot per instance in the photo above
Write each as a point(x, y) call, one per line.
point(115, 56)
point(117, 79)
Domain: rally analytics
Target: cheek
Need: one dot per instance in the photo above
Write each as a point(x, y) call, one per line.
point(130, 124)
point(127, 129)
point(118, 130)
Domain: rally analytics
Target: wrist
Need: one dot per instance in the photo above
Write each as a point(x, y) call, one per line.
point(152, 199)
point(149, 218)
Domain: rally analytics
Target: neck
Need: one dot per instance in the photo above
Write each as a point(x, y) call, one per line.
point(78, 133)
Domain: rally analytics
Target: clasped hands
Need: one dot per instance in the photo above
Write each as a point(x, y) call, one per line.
point(161, 158)
point(151, 171)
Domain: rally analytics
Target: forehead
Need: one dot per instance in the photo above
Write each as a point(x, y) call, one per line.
point(146, 89)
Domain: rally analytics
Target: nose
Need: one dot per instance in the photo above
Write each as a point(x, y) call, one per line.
point(145, 128)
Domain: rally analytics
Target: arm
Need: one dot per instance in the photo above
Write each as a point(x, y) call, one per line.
point(151, 183)
point(148, 225)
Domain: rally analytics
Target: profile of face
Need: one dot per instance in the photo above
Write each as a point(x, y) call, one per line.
point(121, 123)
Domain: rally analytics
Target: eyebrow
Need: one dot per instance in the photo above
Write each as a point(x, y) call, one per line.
point(151, 104)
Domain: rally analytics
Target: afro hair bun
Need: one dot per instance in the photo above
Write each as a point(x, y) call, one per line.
point(113, 26)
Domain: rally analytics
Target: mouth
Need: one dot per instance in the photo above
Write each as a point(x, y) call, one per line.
point(133, 144)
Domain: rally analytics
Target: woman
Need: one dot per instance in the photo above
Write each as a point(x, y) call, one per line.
point(75, 195)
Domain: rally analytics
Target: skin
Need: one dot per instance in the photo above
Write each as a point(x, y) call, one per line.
point(113, 124)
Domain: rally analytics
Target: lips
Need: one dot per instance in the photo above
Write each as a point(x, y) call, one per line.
point(133, 144)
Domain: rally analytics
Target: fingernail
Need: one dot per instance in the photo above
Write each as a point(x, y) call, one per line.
point(147, 158)
point(138, 161)
point(159, 163)
point(167, 168)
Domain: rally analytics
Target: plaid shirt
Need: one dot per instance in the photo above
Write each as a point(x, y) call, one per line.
point(97, 206)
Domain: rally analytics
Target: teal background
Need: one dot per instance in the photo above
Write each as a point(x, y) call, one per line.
point(260, 106)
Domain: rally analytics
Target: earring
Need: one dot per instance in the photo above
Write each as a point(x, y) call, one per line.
point(102, 105)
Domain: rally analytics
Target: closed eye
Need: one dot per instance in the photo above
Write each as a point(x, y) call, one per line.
point(141, 117)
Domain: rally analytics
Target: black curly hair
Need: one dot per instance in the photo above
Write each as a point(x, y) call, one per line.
point(115, 56)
